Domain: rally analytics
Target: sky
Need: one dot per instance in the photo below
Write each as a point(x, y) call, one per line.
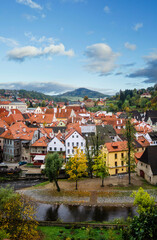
point(53, 46)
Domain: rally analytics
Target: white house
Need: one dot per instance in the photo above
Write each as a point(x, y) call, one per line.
point(73, 140)
point(56, 145)
point(40, 110)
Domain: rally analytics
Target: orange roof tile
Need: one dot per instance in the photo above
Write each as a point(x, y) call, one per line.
point(41, 142)
point(143, 142)
point(116, 146)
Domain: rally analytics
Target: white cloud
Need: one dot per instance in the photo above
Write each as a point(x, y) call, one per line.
point(8, 41)
point(22, 53)
point(137, 26)
point(106, 9)
point(151, 56)
point(29, 3)
point(42, 39)
point(130, 46)
point(44, 87)
point(101, 58)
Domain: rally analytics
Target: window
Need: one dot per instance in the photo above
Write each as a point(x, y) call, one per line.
point(122, 163)
point(122, 169)
point(50, 148)
point(54, 142)
point(115, 155)
point(68, 144)
point(81, 143)
point(77, 144)
point(72, 136)
point(77, 136)
point(116, 164)
point(72, 143)
point(55, 148)
point(122, 155)
point(68, 151)
point(61, 149)
point(73, 151)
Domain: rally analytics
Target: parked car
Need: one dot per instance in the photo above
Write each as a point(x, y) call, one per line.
point(22, 163)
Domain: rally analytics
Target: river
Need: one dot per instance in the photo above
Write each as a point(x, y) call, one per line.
point(69, 213)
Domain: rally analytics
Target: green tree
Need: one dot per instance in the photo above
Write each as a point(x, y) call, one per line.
point(43, 104)
point(90, 161)
point(76, 167)
point(5, 195)
point(100, 166)
point(129, 134)
point(143, 226)
point(53, 165)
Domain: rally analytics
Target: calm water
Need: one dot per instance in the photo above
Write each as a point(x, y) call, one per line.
point(46, 212)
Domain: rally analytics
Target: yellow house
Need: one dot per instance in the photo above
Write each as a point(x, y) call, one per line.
point(116, 153)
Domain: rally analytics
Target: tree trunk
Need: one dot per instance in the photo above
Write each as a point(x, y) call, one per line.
point(102, 185)
point(129, 166)
point(58, 188)
point(76, 184)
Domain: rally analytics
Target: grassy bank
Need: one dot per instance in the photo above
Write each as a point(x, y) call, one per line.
point(84, 233)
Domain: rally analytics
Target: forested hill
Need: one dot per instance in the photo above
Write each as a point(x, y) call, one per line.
point(30, 95)
point(133, 100)
point(81, 92)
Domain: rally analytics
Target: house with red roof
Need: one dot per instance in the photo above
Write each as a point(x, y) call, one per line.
point(39, 147)
point(57, 144)
point(74, 139)
point(116, 153)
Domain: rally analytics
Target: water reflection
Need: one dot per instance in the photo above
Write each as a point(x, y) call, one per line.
point(46, 212)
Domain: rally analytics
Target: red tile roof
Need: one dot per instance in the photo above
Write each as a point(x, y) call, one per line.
point(143, 142)
point(116, 146)
point(41, 142)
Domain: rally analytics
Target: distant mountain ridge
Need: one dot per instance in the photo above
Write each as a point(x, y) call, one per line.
point(81, 92)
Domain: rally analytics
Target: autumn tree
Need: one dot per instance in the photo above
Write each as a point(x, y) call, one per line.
point(53, 165)
point(100, 166)
point(17, 217)
point(76, 167)
point(129, 134)
point(85, 98)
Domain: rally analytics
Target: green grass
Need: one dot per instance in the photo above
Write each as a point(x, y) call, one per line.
point(84, 233)
point(42, 184)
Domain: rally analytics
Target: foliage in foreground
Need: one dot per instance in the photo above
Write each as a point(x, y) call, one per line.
point(84, 233)
point(144, 226)
point(17, 217)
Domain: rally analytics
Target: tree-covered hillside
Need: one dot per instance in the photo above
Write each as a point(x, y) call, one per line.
point(133, 100)
point(81, 92)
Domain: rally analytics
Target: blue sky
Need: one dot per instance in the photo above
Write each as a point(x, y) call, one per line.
point(58, 45)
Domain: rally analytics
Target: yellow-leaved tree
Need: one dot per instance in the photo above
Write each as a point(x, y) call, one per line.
point(76, 167)
point(17, 217)
point(100, 166)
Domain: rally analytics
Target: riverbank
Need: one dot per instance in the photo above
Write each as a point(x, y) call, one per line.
point(116, 192)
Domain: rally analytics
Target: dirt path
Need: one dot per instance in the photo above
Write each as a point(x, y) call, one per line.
point(89, 192)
